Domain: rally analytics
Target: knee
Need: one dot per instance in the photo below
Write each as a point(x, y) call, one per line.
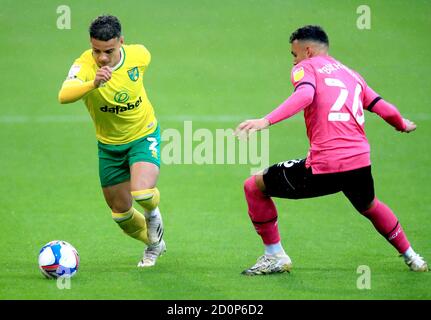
point(120, 208)
point(365, 208)
point(118, 198)
point(120, 205)
point(254, 185)
point(369, 205)
point(250, 185)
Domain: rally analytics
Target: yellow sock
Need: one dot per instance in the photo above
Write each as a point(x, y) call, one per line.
point(133, 224)
point(148, 199)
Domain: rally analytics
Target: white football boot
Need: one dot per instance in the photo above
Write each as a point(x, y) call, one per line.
point(151, 253)
point(270, 263)
point(155, 227)
point(417, 263)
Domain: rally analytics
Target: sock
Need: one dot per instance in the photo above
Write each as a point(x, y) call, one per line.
point(262, 212)
point(387, 225)
point(409, 254)
point(148, 199)
point(133, 224)
point(275, 248)
point(151, 214)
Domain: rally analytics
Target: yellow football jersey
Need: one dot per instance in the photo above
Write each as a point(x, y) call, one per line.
point(120, 109)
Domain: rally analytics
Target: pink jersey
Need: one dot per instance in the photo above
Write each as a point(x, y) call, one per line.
point(335, 116)
point(333, 98)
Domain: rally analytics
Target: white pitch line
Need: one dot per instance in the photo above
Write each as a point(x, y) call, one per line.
point(221, 118)
point(86, 118)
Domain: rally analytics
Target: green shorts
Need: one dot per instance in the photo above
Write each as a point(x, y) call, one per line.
point(115, 160)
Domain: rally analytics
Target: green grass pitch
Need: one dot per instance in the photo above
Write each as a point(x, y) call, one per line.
point(216, 63)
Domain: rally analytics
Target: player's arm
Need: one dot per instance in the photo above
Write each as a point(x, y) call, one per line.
point(388, 112)
point(74, 89)
point(298, 101)
point(301, 98)
point(304, 81)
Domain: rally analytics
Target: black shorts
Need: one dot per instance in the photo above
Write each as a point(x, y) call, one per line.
point(292, 180)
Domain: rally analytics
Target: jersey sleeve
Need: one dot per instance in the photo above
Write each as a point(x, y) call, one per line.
point(303, 74)
point(298, 101)
point(373, 102)
point(370, 98)
point(143, 55)
point(79, 81)
point(79, 71)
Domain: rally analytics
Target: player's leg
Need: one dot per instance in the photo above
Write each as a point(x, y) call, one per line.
point(143, 185)
point(289, 179)
point(359, 189)
point(144, 191)
point(263, 215)
point(131, 221)
point(115, 181)
point(144, 162)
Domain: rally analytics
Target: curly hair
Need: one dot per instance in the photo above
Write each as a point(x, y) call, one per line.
point(105, 28)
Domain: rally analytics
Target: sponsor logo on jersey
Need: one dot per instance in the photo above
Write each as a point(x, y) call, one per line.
point(118, 109)
point(121, 97)
point(298, 74)
point(133, 74)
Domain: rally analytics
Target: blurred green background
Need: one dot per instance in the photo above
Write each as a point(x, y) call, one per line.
point(215, 63)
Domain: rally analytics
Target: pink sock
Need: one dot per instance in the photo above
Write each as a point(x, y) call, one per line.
point(387, 225)
point(262, 212)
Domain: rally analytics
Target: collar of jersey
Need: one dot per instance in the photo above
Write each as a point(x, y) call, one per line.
point(123, 57)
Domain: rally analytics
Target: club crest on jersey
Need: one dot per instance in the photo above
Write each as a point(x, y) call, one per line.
point(298, 74)
point(133, 73)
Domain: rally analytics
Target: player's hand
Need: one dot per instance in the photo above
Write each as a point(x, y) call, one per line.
point(410, 125)
point(102, 75)
point(249, 126)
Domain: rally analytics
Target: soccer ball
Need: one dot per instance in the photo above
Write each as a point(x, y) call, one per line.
point(58, 259)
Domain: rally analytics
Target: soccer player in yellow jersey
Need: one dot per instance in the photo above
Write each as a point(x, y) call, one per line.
point(108, 78)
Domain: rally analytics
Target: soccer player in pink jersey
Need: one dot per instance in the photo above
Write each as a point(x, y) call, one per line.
point(333, 98)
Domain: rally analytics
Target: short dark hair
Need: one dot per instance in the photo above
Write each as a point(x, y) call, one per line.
point(309, 32)
point(105, 28)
